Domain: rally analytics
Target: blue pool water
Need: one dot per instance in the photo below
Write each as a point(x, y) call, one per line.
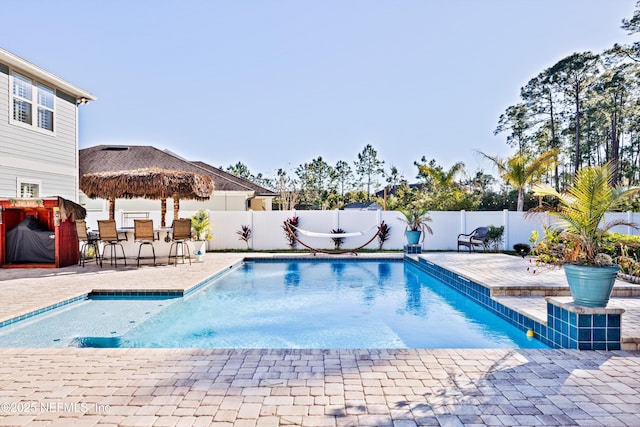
point(289, 304)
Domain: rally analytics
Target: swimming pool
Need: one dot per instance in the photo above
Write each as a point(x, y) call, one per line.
point(285, 304)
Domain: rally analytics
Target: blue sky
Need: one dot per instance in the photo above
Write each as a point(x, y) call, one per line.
point(279, 83)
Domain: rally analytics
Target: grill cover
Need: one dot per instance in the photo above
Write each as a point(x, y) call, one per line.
point(30, 241)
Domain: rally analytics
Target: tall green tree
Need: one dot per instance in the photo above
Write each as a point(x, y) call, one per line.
point(344, 179)
point(240, 170)
point(316, 181)
point(285, 186)
point(574, 75)
point(369, 168)
point(587, 106)
point(613, 93)
point(515, 120)
point(542, 100)
point(393, 178)
point(631, 26)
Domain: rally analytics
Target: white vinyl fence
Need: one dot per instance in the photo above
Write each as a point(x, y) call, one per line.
point(267, 231)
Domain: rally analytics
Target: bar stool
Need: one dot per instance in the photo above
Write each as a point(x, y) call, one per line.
point(86, 241)
point(181, 233)
point(110, 238)
point(143, 233)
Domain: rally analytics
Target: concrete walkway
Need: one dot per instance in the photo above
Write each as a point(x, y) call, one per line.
point(167, 387)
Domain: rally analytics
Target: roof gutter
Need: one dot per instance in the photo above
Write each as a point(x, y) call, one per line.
point(15, 61)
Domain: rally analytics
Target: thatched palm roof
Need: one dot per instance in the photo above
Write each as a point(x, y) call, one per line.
point(150, 183)
point(103, 158)
point(70, 210)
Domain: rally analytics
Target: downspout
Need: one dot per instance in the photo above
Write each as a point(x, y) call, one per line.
point(76, 179)
point(248, 201)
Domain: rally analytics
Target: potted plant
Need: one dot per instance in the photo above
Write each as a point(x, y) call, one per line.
point(417, 220)
point(201, 226)
point(579, 237)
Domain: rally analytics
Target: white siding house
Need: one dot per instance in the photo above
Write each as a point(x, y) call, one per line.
point(38, 131)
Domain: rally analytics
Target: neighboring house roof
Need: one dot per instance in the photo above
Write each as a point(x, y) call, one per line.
point(104, 158)
point(364, 206)
point(380, 193)
point(220, 176)
point(44, 76)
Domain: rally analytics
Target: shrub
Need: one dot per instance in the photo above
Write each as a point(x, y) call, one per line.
point(293, 224)
point(495, 237)
point(337, 241)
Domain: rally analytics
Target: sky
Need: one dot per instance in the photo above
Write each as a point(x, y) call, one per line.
point(275, 84)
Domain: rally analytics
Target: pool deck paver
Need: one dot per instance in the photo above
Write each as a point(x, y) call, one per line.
point(276, 387)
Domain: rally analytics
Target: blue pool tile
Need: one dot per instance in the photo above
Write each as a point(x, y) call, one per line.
point(585, 346)
point(584, 320)
point(584, 334)
point(599, 345)
point(613, 320)
point(564, 328)
point(573, 318)
point(599, 320)
point(613, 334)
point(573, 332)
point(599, 334)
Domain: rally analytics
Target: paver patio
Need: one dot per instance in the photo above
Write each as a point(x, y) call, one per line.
point(275, 387)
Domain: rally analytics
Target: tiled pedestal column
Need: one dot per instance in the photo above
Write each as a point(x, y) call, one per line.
point(584, 328)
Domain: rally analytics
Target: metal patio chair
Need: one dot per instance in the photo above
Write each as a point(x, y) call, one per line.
point(478, 237)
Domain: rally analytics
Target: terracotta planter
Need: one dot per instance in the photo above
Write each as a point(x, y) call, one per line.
point(591, 286)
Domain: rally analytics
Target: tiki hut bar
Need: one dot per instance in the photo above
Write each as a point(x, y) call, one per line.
point(148, 183)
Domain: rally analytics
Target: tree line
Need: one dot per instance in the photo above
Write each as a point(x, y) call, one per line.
point(582, 111)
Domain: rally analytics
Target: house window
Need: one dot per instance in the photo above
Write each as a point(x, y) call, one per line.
point(28, 190)
point(45, 107)
point(30, 96)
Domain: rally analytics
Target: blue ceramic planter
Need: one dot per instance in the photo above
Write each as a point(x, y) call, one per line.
point(591, 286)
point(413, 237)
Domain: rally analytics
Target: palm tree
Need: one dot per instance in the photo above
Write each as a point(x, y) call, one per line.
point(523, 169)
point(582, 209)
point(440, 177)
